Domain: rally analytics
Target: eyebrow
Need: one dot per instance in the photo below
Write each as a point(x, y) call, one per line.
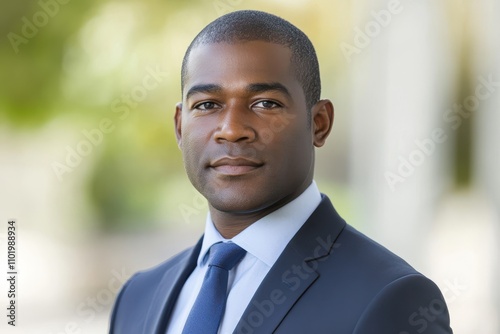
point(254, 88)
point(265, 87)
point(203, 88)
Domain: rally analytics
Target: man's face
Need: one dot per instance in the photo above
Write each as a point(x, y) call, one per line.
point(243, 127)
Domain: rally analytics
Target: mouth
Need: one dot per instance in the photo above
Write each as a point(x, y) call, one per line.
point(235, 166)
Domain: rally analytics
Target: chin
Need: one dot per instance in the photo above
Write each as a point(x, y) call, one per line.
point(237, 204)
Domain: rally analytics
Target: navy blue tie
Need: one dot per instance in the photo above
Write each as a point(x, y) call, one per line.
point(207, 311)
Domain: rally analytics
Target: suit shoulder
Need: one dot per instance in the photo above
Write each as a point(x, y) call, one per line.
point(373, 256)
point(412, 303)
point(165, 265)
point(376, 291)
point(137, 295)
point(143, 281)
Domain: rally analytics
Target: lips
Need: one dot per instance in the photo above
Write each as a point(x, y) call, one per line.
point(235, 165)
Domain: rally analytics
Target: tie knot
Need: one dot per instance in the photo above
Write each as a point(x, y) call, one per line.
point(225, 255)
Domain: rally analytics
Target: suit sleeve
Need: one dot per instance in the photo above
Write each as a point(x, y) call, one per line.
point(411, 304)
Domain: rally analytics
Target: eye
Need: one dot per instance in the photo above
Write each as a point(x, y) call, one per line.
point(206, 106)
point(267, 104)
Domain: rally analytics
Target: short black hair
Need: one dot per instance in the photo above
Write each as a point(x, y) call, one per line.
point(252, 25)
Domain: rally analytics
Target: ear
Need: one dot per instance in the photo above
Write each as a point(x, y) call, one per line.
point(322, 121)
point(178, 123)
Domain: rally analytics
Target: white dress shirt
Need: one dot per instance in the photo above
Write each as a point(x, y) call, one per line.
point(264, 242)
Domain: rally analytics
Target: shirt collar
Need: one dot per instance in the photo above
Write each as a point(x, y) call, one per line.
point(267, 237)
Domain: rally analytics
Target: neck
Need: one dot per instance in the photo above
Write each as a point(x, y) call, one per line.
point(230, 224)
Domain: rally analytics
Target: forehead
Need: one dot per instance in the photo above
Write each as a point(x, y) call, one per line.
point(233, 64)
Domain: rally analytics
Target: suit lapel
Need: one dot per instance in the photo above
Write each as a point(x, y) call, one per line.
point(297, 268)
point(168, 290)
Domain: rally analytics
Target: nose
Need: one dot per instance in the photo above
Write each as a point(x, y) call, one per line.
point(235, 126)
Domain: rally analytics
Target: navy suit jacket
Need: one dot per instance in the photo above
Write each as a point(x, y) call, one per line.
point(329, 279)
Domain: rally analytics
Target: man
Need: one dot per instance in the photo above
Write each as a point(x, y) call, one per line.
point(250, 119)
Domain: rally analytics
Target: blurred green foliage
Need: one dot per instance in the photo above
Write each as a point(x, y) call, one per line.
point(31, 66)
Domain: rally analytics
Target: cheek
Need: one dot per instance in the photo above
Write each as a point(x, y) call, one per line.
point(293, 140)
point(194, 137)
point(195, 150)
point(295, 148)
point(192, 147)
